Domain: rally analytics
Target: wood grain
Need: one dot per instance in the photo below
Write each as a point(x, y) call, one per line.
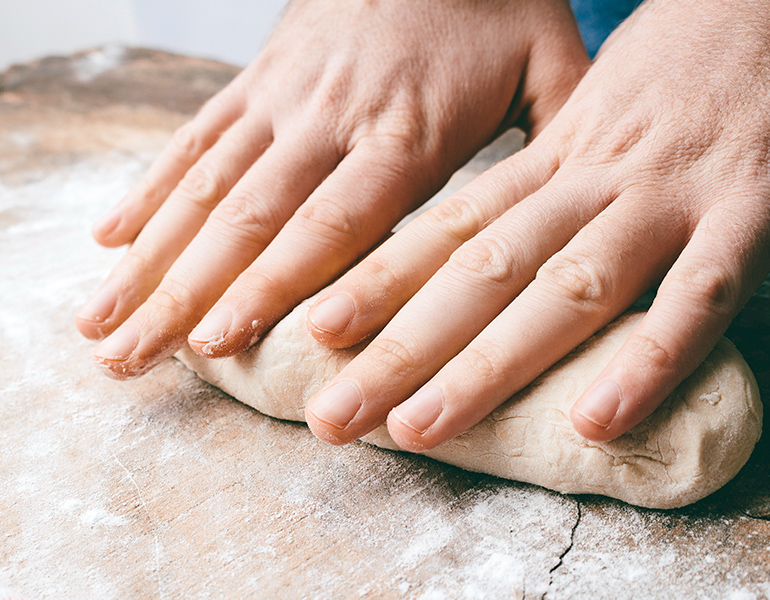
point(166, 488)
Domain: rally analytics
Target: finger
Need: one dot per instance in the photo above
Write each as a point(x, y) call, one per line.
point(693, 307)
point(172, 228)
point(479, 280)
point(370, 190)
point(367, 297)
point(598, 274)
point(123, 223)
point(237, 231)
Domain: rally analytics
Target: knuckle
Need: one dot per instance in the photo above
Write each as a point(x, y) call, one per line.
point(651, 349)
point(486, 258)
point(700, 282)
point(187, 142)
point(628, 135)
point(252, 282)
point(458, 216)
point(173, 296)
point(689, 141)
point(148, 193)
point(331, 98)
point(326, 219)
point(397, 356)
point(245, 216)
point(400, 137)
point(201, 186)
point(487, 361)
point(136, 262)
point(380, 274)
point(577, 278)
point(405, 128)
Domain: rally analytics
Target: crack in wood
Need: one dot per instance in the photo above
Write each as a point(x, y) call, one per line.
point(566, 551)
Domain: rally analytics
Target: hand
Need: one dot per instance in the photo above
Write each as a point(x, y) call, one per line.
point(654, 171)
point(354, 113)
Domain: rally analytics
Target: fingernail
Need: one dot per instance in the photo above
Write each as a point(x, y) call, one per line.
point(213, 327)
point(337, 405)
point(119, 345)
point(421, 410)
point(600, 404)
point(108, 223)
point(333, 315)
point(100, 306)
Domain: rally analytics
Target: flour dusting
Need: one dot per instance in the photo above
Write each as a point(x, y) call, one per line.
point(97, 62)
point(166, 488)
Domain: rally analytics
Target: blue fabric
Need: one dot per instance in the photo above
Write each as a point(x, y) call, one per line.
point(598, 18)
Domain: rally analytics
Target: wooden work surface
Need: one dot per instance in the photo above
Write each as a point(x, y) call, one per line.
point(167, 488)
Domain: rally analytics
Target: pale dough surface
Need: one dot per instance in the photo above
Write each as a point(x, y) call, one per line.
point(692, 445)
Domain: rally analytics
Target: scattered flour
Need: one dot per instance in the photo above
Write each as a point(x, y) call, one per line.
point(357, 520)
point(97, 62)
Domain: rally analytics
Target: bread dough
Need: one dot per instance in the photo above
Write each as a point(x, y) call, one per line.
point(697, 440)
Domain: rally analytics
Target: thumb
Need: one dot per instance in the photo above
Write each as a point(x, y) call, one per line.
point(558, 60)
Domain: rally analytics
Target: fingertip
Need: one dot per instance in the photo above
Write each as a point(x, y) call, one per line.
point(332, 341)
point(330, 413)
point(111, 242)
point(405, 436)
point(329, 318)
point(112, 369)
point(122, 370)
point(224, 348)
point(209, 337)
point(347, 340)
point(216, 348)
point(219, 336)
point(114, 355)
point(360, 328)
point(412, 424)
point(595, 414)
point(92, 330)
point(106, 230)
point(210, 349)
point(590, 430)
point(322, 431)
point(94, 318)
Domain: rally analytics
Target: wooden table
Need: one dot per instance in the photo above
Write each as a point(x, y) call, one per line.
point(166, 488)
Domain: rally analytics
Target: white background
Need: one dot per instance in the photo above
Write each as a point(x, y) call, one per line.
point(228, 30)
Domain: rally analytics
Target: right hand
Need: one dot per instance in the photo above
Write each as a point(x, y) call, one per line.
point(353, 114)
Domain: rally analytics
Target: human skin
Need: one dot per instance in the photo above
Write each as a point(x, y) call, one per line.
point(654, 171)
point(354, 113)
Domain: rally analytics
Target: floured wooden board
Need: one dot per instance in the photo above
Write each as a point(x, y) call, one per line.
point(166, 488)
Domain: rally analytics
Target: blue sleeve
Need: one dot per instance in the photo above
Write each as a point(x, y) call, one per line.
point(597, 18)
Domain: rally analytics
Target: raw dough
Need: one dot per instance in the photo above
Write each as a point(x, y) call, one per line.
point(693, 444)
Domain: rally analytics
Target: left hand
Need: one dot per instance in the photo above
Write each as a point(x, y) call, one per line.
point(655, 171)
point(353, 114)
